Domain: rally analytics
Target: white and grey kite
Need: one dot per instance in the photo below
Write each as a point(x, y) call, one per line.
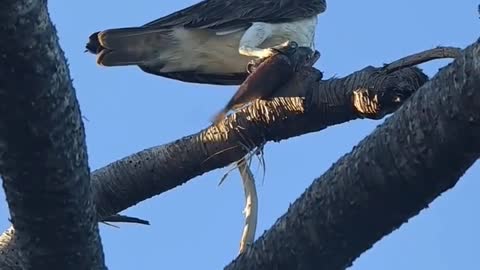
point(212, 41)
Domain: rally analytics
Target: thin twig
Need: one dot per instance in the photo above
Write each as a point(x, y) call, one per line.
point(245, 146)
point(124, 219)
point(251, 205)
point(422, 57)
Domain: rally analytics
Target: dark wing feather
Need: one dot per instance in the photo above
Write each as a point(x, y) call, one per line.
point(196, 77)
point(231, 14)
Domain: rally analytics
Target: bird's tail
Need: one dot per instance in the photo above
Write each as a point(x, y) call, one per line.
point(128, 46)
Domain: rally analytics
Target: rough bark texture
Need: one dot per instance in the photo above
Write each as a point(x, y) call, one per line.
point(391, 176)
point(315, 106)
point(43, 158)
point(11, 258)
point(418, 153)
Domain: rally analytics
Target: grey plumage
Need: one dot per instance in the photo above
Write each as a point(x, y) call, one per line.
point(232, 14)
point(156, 45)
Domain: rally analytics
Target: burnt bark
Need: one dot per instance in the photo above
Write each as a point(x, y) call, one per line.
point(418, 153)
point(43, 157)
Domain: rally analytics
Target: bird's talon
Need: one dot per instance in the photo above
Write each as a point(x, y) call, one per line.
point(251, 66)
point(286, 47)
point(292, 44)
point(254, 64)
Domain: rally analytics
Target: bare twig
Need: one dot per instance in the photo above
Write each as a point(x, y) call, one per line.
point(251, 205)
point(251, 200)
point(124, 219)
point(422, 57)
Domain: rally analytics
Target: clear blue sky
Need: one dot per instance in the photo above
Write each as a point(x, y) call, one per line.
point(198, 225)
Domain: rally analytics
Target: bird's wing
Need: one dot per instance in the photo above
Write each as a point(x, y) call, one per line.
point(234, 14)
point(198, 77)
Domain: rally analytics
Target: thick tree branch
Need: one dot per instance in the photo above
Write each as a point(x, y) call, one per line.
point(305, 105)
point(418, 153)
point(43, 158)
point(315, 105)
point(308, 105)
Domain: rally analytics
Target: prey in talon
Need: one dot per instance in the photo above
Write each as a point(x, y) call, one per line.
point(210, 42)
point(269, 76)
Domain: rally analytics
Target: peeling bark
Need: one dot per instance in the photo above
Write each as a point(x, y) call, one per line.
point(43, 157)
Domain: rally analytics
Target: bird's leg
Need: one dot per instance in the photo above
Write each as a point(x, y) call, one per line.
point(286, 47)
point(254, 37)
point(251, 39)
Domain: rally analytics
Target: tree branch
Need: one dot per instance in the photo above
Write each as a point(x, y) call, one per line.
point(251, 205)
point(422, 57)
point(43, 158)
point(418, 153)
point(304, 105)
point(314, 105)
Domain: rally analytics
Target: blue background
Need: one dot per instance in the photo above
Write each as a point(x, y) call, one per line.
point(198, 225)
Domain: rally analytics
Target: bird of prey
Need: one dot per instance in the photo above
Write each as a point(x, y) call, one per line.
point(210, 42)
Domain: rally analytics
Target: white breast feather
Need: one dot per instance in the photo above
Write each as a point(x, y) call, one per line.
point(211, 52)
point(302, 32)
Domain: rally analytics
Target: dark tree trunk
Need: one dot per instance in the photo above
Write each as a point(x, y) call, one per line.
point(417, 154)
point(43, 158)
